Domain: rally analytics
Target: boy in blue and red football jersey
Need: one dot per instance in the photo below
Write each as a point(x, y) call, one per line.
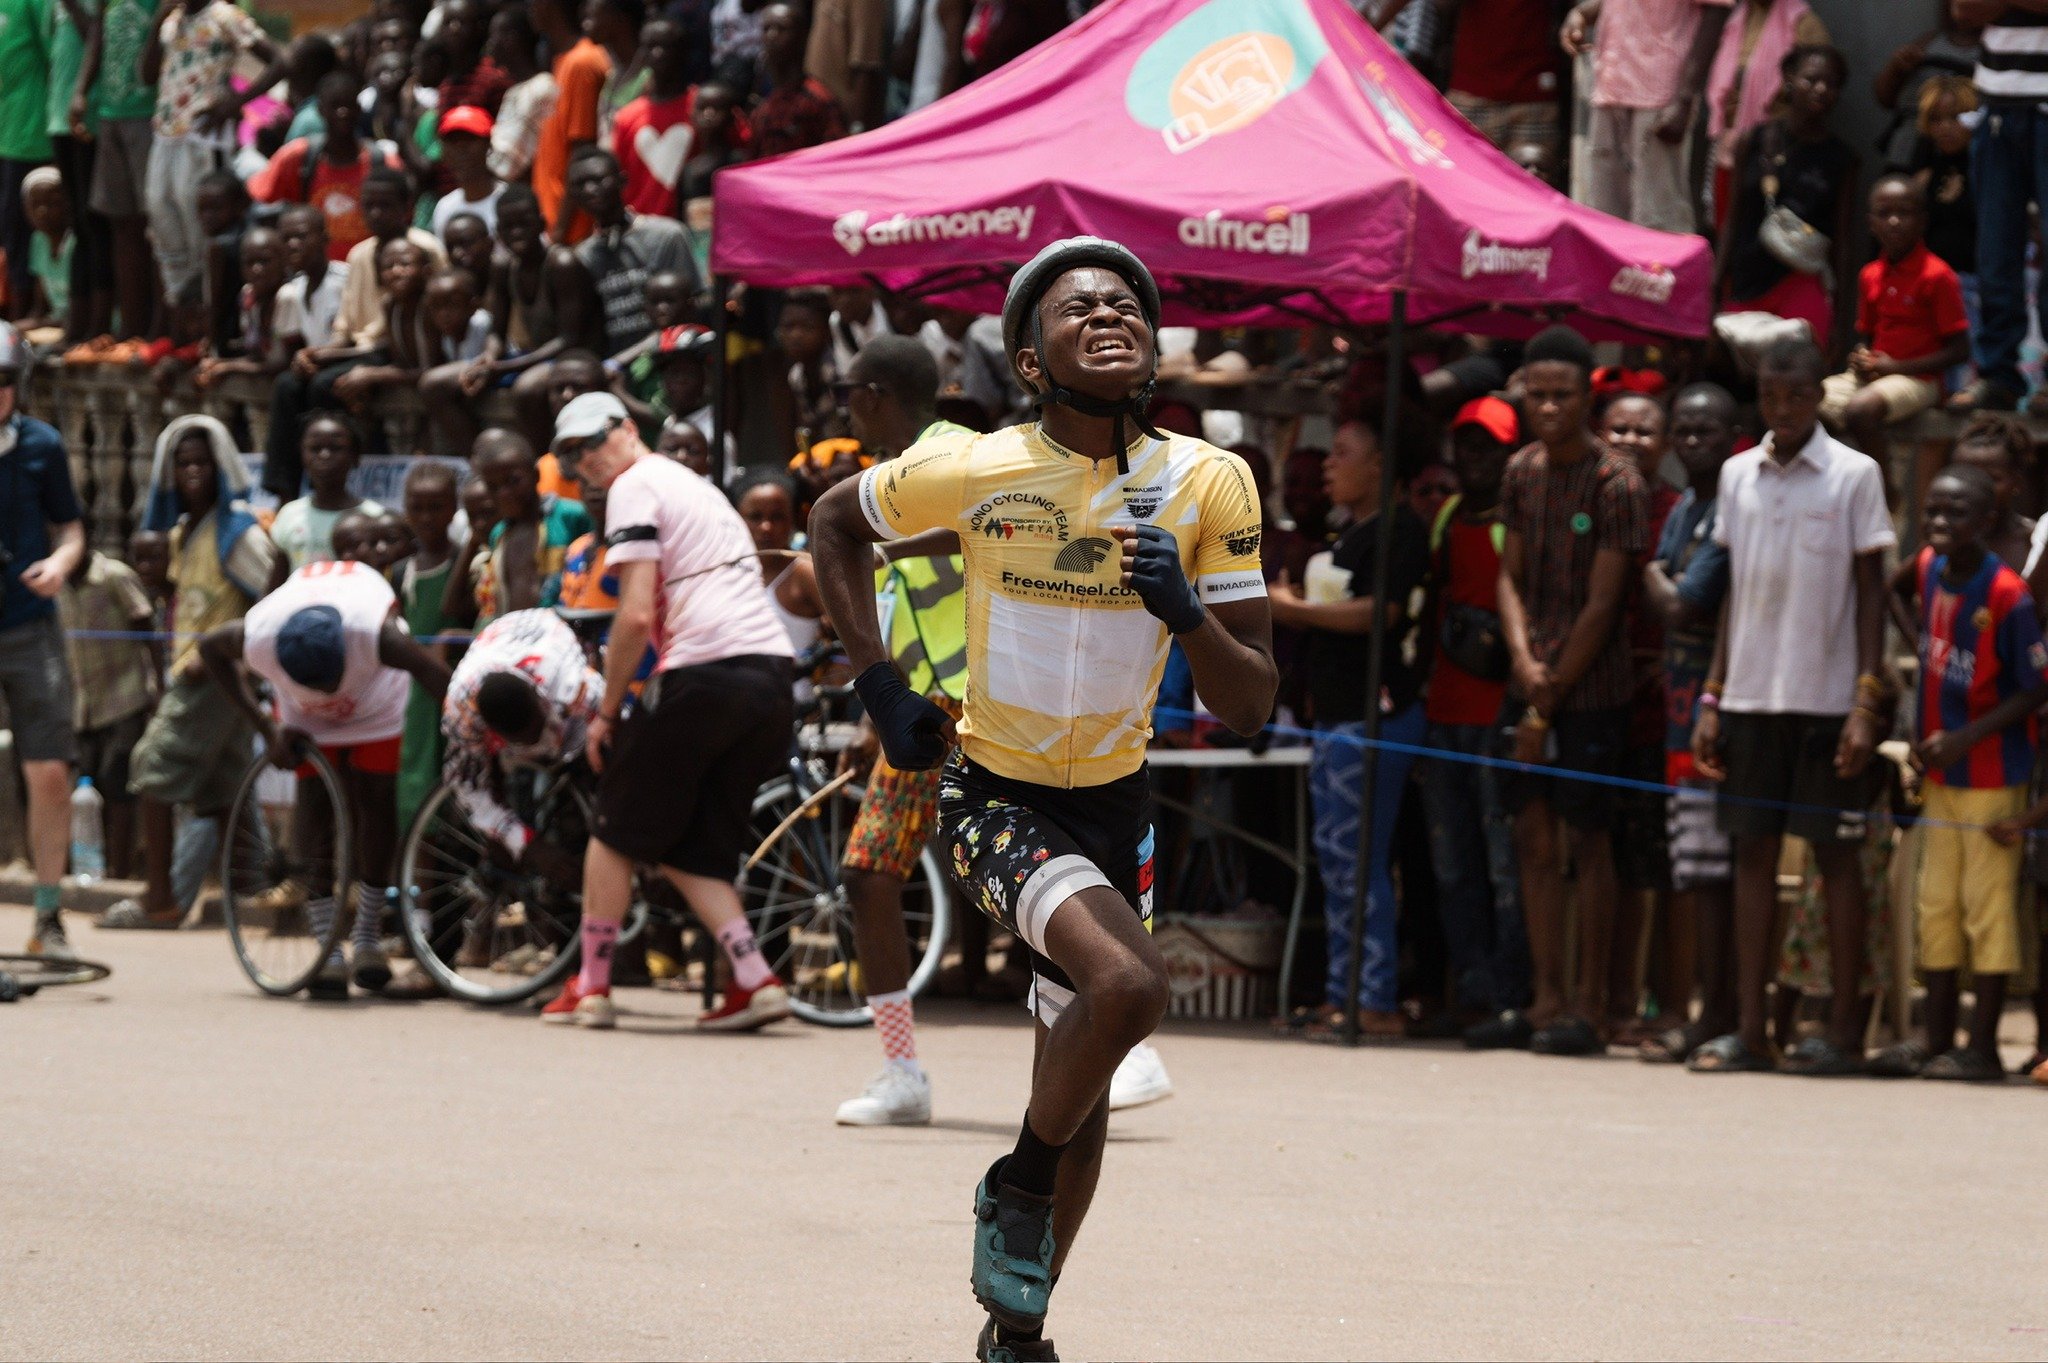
point(1983, 675)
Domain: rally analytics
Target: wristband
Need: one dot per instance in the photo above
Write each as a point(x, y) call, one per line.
point(1712, 688)
point(1709, 701)
point(1533, 717)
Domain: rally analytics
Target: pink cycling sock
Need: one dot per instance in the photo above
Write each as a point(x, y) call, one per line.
point(749, 970)
point(898, 1032)
point(598, 940)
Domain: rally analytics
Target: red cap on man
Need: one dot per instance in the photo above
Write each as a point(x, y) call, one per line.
point(1496, 416)
point(465, 118)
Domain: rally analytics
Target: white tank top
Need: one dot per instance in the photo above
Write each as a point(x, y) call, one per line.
point(802, 631)
point(369, 705)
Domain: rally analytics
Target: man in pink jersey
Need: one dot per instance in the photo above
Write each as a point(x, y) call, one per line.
point(340, 665)
point(677, 777)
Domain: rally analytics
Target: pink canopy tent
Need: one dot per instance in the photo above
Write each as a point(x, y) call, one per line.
point(1272, 161)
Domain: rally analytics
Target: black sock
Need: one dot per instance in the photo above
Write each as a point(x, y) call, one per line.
point(1034, 1164)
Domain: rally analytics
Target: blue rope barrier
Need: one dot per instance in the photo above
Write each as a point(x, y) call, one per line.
point(1702, 792)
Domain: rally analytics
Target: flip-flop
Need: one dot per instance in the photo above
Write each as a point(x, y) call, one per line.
point(1567, 1036)
point(1965, 1065)
point(129, 916)
point(1728, 1055)
point(1667, 1048)
point(1509, 1030)
point(1903, 1061)
point(1819, 1058)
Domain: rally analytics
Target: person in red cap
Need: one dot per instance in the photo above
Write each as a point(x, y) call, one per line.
point(327, 169)
point(466, 155)
point(1471, 842)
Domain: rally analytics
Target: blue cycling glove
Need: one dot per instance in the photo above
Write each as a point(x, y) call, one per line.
point(1157, 578)
point(912, 729)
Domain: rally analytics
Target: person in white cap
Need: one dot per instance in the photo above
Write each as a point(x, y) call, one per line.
point(676, 777)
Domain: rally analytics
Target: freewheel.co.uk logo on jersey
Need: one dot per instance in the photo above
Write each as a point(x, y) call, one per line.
point(855, 232)
point(1279, 233)
point(1223, 68)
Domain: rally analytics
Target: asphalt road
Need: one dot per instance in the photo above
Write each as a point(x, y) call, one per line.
point(194, 1171)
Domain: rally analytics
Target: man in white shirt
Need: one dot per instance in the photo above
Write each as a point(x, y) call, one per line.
point(1790, 710)
point(678, 775)
point(341, 665)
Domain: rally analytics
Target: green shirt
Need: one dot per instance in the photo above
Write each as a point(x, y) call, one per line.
point(67, 54)
point(53, 268)
point(25, 79)
point(119, 93)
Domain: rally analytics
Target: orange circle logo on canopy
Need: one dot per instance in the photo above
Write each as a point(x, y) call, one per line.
point(1222, 68)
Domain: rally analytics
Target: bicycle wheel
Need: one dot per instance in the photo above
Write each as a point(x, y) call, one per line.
point(802, 917)
point(31, 973)
point(270, 887)
point(484, 932)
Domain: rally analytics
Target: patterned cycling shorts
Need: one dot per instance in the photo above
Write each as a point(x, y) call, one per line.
point(897, 816)
point(1020, 850)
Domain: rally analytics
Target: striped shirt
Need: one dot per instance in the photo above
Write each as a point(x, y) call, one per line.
point(2014, 64)
point(1979, 646)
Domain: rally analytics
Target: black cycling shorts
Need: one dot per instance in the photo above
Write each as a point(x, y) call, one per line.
point(1020, 850)
point(678, 784)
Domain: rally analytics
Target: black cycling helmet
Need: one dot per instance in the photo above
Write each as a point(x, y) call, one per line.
point(1021, 326)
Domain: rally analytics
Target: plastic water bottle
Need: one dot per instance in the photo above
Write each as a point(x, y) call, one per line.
point(88, 836)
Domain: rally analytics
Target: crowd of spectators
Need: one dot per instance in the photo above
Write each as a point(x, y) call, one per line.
point(1675, 570)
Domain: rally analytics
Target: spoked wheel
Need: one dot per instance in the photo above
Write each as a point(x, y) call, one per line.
point(802, 917)
point(27, 974)
point(287, 906)
point(484, 932)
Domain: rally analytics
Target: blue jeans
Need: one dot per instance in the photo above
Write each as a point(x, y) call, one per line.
point(1336, 773)
point(2008, 172)
point(1478, 883)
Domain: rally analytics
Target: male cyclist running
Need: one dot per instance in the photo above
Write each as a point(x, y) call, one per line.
point(334, 650)
point(1082, 554)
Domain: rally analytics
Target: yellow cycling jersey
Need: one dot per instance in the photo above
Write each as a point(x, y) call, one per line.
point(1063, 661)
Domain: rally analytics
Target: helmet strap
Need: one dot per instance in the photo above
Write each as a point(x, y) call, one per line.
point(1132, 408)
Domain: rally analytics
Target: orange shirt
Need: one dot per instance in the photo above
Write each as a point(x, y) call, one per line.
point(555, 483)
point(579, 81)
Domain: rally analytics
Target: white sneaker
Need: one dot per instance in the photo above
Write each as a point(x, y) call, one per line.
point(1140, 1079)
point(895, 1097)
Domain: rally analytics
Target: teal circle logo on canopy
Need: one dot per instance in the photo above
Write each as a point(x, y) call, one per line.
point(1223, 68)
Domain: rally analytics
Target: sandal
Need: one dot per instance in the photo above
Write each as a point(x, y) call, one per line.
point(1967, 1065)
point(129, 916)
point(1819, 1058)
point(1674, 1047)
point(1567, 1036)
point(1509, 1030)
point(1728, 1055)
point(1903, 1061)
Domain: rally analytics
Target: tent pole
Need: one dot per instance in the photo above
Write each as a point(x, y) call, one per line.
point(1375, 666)
point(721, 408)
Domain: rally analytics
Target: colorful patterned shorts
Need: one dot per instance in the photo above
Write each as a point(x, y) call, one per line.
point(1020, 850)
point(897, 817)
